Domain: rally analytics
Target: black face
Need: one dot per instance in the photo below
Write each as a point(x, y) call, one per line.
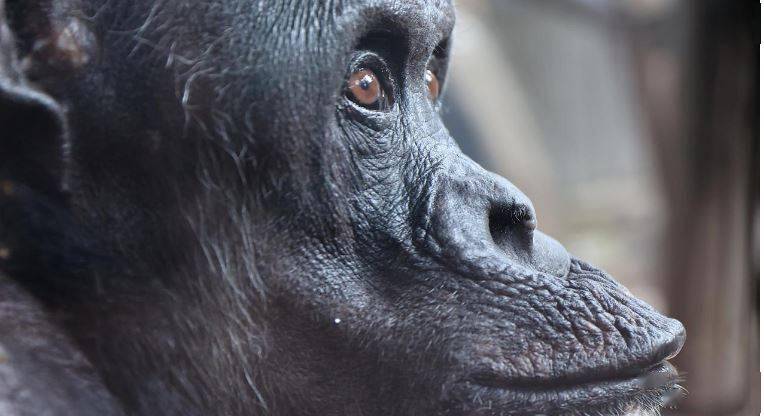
point(275, 218)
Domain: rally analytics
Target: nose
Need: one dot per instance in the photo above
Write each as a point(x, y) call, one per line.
point(477, 214)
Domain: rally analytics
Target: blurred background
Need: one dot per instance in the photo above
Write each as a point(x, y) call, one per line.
point(633, 127)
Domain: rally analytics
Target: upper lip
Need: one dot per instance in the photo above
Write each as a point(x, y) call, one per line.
point(641, 366)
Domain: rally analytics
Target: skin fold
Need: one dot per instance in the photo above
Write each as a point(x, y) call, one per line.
point(201, 211)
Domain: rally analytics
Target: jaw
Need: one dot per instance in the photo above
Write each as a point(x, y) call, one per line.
point(439, 375)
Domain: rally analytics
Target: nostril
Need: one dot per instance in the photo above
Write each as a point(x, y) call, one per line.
point(528, 221)
point(511, 223)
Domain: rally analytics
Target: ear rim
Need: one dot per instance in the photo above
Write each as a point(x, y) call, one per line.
point(33, 146)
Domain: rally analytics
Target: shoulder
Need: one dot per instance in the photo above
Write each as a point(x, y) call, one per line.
point(42, 372)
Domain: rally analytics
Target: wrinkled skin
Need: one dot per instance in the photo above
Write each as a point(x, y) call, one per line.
point(227, 232)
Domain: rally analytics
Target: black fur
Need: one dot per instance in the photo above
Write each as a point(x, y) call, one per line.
point(193, 203)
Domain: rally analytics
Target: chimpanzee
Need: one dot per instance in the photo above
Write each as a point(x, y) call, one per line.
point(251, 207)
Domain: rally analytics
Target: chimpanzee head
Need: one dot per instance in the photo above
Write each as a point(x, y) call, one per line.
point(258, 210)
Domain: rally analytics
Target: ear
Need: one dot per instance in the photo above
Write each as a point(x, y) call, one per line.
point(35, 227)
point(54, 375)
point(37, 42)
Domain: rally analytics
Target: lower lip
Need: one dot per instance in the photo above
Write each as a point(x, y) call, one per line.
point(550, 397)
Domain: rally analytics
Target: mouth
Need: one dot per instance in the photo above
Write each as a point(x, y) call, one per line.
point(652, 388)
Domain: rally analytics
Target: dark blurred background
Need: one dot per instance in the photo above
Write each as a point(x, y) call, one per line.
point(633, 126)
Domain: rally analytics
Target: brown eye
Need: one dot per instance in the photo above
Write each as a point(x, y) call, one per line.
point(365, 89)
point(433, 85)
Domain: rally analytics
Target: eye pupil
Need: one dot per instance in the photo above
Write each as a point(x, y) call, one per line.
point(366, 82)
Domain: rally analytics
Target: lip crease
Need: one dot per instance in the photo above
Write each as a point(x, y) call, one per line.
point(660, 375)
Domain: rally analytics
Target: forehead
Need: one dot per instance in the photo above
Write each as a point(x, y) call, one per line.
point(425, 14)
point(413, 18)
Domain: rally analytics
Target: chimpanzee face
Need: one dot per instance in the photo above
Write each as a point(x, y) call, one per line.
point(307, 238)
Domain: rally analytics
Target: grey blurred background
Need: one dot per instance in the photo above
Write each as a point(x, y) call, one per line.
point(631, 124)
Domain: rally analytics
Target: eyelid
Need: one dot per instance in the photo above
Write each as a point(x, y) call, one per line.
point(374, 62)
point(442, 50)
